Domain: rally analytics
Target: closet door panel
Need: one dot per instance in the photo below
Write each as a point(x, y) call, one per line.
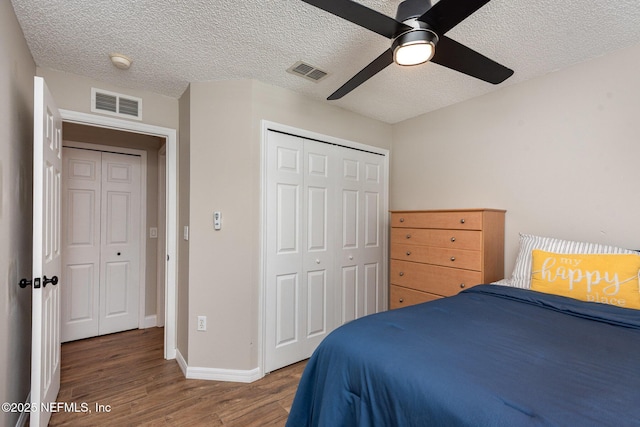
point(361, 228)
point(284, 250)
point(80, 244)
point(120, 243)
point(317, 260)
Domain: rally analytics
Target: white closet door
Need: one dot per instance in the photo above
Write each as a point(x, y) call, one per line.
point(284, 257)
point(299, 294)
point(360, 234)
point(323, 242)
point(101, 243)
point(81, 243)
point(318, 258)
point(120, 243)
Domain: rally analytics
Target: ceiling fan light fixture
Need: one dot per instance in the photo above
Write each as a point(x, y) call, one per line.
point(414, 47)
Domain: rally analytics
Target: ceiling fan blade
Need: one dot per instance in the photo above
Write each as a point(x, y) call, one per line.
point(363, 16)
point(378, 64)
point(451, 54)
point(446, 14)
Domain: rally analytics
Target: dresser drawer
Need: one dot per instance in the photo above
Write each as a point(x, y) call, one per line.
point(460, 220)
point(432, 278)
point(403, 297)
point(455, 239)
point(456, 258)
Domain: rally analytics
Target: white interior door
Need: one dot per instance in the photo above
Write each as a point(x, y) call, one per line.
point(81, 198)
point(47, 176)
point(101, 243)
point(318, 245)
point(120, 243)
point(324, 235)
point(284, 264)
point(361, 228)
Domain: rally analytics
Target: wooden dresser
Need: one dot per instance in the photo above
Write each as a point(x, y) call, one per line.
point(439, 253)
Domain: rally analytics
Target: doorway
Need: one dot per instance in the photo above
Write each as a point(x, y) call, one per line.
point(168, 229)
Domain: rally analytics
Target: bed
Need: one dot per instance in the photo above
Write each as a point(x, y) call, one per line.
point(490, 356)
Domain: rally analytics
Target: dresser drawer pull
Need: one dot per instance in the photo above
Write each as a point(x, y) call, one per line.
point(462, 285)
point(462, 221)
point(453, 239)
point(453, 258)
point(408, 253)
point(408, 236)
point(401, 273)
point(401, 300)
point(401, 219)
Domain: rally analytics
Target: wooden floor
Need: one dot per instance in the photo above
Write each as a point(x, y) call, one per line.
point(127, 372)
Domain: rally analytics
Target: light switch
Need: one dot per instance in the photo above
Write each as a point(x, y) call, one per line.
point(153, 232)
point(186, 232)
point(217, 220)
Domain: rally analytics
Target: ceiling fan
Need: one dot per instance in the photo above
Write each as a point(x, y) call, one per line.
point(418, 36)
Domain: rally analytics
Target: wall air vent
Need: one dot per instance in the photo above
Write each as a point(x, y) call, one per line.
point(307, 71)
point(116, 104)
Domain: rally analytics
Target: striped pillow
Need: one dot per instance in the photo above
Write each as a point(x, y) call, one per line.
point(521, 277)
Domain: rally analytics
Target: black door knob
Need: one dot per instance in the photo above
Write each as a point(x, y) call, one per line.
point(53, 281)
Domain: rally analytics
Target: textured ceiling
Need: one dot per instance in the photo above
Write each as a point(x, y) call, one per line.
point(174, 42)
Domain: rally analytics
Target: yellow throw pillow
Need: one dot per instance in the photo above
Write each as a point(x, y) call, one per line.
point(604, 278)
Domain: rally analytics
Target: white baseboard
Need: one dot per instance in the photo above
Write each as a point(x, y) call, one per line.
point(150, 322)
point(216, 374)
point(182, 363)
point(24, 415)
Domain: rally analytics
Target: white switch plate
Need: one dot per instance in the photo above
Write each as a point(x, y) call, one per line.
point(153, 232)
point(217, 220)
point(186, 232)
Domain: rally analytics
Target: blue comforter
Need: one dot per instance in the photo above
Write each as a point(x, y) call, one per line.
point(490, 356)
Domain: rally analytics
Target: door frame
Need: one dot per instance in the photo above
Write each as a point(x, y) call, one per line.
point(171, 224)
point(142, 271)
point(265, 127)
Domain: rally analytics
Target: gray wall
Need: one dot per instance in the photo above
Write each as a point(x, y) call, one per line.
point(560, 153)
point(16, 152)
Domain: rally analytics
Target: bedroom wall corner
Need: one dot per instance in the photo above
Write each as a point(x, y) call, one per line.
point(220, 261)
point(182, 291)
point(558, 152)
point(17, 70)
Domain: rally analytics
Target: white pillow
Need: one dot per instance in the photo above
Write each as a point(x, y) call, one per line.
point(521, 276)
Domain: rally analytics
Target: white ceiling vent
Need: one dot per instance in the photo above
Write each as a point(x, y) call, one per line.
point(307, 71)
point(115, 104)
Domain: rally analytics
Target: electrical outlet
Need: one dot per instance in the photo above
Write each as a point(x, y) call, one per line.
point(202, 323)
